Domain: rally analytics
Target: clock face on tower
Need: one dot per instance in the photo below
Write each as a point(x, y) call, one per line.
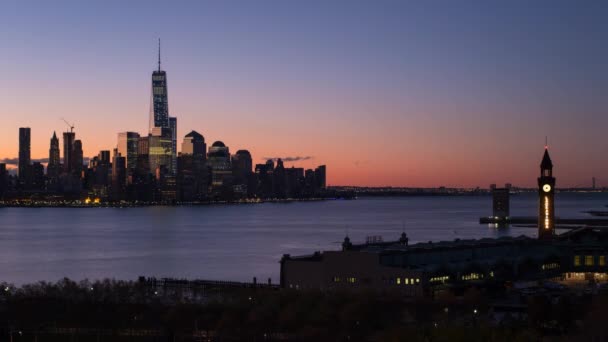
point(546, 188)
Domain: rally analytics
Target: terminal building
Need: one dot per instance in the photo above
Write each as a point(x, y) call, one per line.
point(426, 268)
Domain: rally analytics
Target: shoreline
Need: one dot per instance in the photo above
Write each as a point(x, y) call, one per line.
point(80, 204)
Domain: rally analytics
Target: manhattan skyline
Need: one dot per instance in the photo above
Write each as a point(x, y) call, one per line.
point(414, 98)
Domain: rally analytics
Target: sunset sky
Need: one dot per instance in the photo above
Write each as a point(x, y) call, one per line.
point(452, 93)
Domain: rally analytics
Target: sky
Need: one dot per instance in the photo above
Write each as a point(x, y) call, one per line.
point(385, 93)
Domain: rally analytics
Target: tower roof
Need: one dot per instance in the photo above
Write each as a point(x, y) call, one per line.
point(218, 144)
point(546, 163)
point(194, 134)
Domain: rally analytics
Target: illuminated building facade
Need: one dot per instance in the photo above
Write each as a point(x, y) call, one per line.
point(546, 195)
point(160, 149)
point(127, 147)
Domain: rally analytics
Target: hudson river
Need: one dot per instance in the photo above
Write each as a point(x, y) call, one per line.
point(235, 242)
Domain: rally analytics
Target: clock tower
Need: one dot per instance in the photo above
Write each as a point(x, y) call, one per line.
point(546, 192)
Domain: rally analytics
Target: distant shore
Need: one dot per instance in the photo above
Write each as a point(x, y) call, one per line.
point(126, 204)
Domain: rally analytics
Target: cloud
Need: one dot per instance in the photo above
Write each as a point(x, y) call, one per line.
point(289, 159)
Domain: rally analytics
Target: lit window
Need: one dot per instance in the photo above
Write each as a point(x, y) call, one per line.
point(417, 280)
point(398, 281)
point(602, 261)
point(577, 260)
point(588, 260)
point(407, 281)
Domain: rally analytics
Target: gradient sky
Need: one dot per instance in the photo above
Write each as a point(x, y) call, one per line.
point(400, 93)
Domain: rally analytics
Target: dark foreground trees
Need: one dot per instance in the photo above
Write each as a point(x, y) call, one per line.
point(129, 311)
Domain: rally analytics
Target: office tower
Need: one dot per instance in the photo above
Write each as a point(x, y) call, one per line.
point(295, 181)
point(279, 181)
point(127, 147)
point(243, 178)
point(160, 149)
point(104, 157)
point(54, 165)
point(119, 175)
point(546, 204)
point(24, 152)
point(68, 151)
point(78, 157)
point(264, 176)
point(173, 127)
point(218, 160)
point(194, 143)
point(159, 109)
point(242, 163)
point(320, 177)
point(36, 177)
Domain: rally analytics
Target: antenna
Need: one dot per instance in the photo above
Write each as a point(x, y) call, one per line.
point(158, 54)
point(546, 142)
point(69, 125)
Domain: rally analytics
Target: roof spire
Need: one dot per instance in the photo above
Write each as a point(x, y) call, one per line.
point(158, 54)
point(546, 143)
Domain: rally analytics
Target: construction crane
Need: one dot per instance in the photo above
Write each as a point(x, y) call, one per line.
point(69, 125)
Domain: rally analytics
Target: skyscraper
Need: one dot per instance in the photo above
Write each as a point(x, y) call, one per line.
point(127, 147)
point(218, 159)
point(160, 148)
point(53, 167)
point(68, 151)
point(159, 108)
point(24, 152)
point(173, 127)
point(320, 177)
point(78, 157)
point(194, 144)
point(119, 175)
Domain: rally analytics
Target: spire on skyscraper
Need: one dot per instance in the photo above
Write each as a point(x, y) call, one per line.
point(158, 54)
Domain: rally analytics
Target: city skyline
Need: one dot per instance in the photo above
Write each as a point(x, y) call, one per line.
point(394, 102)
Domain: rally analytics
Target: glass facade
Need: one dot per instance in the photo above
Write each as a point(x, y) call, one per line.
point(127, 147)
point(159, 109)
point(160, 148)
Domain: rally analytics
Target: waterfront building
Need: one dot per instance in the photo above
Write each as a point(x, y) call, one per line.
point(431, 267)
point(128, 148)
point(320, 177)
point(500, 201)
point(546, 203)
point(264, 173)
point(54, 165)
point(25, 158)
point(294, 181)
